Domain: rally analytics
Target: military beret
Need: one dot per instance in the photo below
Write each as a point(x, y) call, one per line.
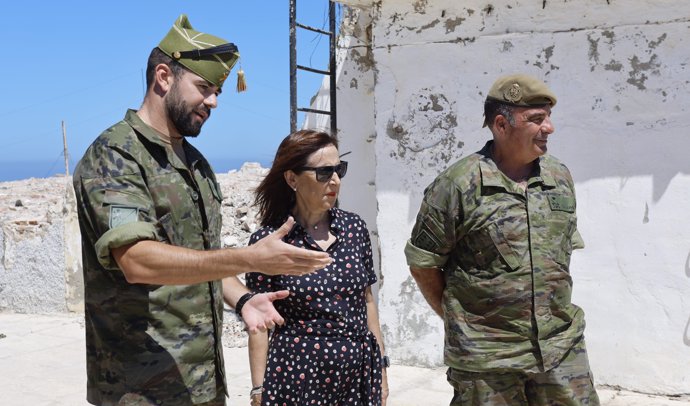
point(521, 90)
point(208, 56)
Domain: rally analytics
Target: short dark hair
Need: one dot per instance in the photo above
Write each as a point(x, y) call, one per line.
point(274, 197)
point(157, 57)
point(494, 108)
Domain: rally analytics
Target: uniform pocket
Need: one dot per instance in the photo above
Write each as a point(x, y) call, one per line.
point(490, 253)
point(166, 224)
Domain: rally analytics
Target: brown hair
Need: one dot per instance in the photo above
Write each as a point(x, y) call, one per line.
point(157, 57)
point(274, 197)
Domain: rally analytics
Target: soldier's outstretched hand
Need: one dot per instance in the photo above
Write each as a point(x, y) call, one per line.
point(272, 256)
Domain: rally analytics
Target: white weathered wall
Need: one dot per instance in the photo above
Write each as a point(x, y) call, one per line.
point(620, 70)
point(357, 135)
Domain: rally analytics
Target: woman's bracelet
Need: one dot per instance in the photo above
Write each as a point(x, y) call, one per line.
point(243, 300)
point(257, 390)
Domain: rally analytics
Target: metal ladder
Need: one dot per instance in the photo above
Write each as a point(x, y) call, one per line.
point(294, 66)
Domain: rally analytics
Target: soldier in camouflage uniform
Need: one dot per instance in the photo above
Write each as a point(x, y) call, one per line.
point(149, 214)
point(490, 252)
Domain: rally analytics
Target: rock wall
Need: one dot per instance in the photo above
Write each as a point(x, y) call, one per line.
point(32, 245)
point(40, 246)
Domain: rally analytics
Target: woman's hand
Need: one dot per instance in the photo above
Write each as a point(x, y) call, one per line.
point(259, 314)
point(255, 400)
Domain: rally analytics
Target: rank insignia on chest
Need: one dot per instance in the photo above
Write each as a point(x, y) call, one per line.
point(120, 215)
point(562, 203)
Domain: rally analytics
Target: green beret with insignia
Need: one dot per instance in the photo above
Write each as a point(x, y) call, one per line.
point(521, 90)
point(206, 55)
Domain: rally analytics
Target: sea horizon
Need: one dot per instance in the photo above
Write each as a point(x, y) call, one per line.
point(27, 169)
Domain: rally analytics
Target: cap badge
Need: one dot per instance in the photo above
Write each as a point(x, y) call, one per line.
point(513, 94)
point(221, 80)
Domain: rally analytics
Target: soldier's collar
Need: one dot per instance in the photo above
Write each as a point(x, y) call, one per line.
point(545, 176)
point(133, 119)
point(492, 176)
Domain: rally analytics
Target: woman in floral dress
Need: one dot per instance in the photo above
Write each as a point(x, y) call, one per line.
point(329, 349)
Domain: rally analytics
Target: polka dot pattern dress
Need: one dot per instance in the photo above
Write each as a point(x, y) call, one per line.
point(324, 354)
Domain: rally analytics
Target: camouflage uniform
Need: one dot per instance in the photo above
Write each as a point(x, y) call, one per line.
point(505, 254)
point(148, 344)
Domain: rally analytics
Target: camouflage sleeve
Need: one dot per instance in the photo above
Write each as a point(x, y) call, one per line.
point(117, 203)
point(433, 235)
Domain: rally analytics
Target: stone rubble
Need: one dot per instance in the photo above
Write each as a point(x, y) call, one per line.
point(30, 206)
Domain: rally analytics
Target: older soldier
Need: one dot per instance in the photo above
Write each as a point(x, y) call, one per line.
point(490, 252)
point(149, 213)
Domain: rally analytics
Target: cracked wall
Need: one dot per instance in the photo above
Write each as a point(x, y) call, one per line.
point(620, 71)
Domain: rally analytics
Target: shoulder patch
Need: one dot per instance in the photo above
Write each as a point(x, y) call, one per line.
point(120, 215)
point(426, 241)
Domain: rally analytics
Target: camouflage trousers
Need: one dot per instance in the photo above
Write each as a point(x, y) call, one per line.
point(569, 384)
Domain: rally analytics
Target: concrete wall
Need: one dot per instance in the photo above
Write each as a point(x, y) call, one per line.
point(421, 71)
point(356, 135)
point(35, 248)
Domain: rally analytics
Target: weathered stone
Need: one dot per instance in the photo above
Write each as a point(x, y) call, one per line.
point(40, 257)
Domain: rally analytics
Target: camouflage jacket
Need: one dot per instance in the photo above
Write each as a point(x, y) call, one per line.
point(505, 255)
point(161, 342)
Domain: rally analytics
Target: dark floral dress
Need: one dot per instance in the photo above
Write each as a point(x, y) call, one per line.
point(324, 354)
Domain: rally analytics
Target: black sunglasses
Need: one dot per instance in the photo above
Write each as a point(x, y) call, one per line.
point(325, 173)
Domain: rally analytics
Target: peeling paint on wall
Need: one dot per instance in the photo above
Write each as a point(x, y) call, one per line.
point(412, 314)
point(638, 73)
point(593, 50)
point(452, 23)
point(614, 66)
point(546, 55)
point(420, 6)
point(428, 123)
point(363, 60)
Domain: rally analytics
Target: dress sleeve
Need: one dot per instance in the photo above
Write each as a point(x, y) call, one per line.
point(256, 281)
point(368, 257)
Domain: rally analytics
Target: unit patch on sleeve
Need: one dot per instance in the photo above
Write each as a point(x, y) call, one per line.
point(120, 215)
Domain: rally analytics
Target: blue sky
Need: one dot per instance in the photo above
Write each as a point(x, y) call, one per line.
point(83, 62)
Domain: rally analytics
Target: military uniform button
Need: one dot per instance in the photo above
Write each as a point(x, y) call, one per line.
point(195, 196)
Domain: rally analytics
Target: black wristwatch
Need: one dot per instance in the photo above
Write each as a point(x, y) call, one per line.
point(385, 362)
point(242, 301)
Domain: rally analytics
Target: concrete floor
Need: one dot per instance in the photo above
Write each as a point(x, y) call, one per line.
point(42, 363)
